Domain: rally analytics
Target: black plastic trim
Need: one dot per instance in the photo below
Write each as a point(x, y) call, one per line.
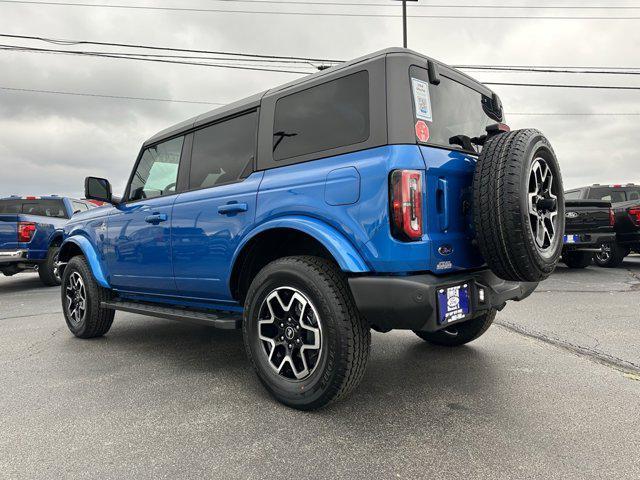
point(409, 302)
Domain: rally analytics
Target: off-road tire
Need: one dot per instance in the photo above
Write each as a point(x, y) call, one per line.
point(577, 259)
point(460, 334)
point(346, 337)
point(97, 320)
point(615, 258)
point(501, 206)
point(47, 270)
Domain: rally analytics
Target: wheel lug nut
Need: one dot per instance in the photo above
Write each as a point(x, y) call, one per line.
point(281, 338)
point(298, 327)
point(282, 325)
point(290, 346)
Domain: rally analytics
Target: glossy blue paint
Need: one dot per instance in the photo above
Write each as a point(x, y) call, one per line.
point(181, 249)
point(449, 193)
point(207, 227)
point(139, 246)
point(92, 256)
point(342, 186)
point(335, 242)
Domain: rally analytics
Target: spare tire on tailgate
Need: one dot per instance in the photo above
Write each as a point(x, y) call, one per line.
point(519, 206)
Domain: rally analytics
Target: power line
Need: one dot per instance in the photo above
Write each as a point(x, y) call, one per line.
point(312, 14)
point(509, 7)
point(574, 114)
point(553, 85)
point(308, 60)
point(297, 72)
point(155, 60)
point(148, 99)
point(169, 49)
point(496, 68)
point(79, 94)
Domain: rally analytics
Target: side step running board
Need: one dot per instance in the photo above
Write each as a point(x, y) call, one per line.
point(223, 320)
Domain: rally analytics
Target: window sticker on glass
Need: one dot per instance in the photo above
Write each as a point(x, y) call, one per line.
point(422, 99)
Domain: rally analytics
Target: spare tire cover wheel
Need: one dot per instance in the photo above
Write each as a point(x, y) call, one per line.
point(519, 206)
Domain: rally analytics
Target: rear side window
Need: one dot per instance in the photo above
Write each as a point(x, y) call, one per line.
point(41, 208)
point(573, 195)
point(156, 174)
point(222, 151)
point(334, 114)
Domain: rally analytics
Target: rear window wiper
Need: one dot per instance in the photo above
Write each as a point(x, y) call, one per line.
point(463, 141)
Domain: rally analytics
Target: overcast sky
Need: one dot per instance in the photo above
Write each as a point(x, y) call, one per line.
point(49, 143)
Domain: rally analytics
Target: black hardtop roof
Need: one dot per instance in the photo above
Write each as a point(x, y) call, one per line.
point(253, 101)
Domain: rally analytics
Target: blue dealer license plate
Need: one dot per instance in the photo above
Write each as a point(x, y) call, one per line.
point(453, 303)
point(571, 239)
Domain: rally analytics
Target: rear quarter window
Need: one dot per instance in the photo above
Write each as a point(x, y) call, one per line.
point(331, 115)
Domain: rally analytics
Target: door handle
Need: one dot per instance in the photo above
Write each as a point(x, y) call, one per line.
point(156, 218)
point(230, 208)
point(442, 201)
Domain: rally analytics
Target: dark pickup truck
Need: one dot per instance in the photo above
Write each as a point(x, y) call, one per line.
point(588, 230)
point(625, 202)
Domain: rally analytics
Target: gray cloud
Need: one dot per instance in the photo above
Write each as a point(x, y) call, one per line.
point(49, 143)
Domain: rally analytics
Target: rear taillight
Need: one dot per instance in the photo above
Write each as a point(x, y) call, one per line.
point(26, 231)
point(635, 214)
point(406, 204)
point(612, 218)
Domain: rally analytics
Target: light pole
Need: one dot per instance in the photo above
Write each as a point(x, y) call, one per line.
point(404, 21)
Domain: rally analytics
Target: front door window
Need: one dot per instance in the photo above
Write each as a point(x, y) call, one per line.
point(157, 172)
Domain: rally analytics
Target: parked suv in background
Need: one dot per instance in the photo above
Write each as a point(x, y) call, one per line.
point(351, 199)
point(31, 233)
point(625, 201)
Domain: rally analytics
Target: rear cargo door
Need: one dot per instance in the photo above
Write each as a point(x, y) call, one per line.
point(586, 216)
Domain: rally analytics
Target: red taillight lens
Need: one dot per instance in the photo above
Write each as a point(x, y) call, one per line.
point(26, 231)
point(406, 204)
point(635, 214)
point(612, 218)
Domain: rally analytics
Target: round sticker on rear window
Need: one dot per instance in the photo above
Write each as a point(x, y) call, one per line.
point(422, 131)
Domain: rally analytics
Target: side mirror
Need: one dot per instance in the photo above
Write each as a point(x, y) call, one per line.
point(98, 189)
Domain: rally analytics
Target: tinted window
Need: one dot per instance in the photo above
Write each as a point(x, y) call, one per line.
point(608, 194)
point(79, 206)
point(331, 115)
point(157, 172)
point(456, 109)
point(41, 208)
point(10, 206)
point(222, 151)
point(573, 195)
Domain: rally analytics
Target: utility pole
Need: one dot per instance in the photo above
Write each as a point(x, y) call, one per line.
point(404, 21)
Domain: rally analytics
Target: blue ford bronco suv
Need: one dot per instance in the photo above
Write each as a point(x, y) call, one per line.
point(384, 193)
point(31, 231)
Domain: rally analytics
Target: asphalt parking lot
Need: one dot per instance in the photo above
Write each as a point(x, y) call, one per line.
point(551, 391)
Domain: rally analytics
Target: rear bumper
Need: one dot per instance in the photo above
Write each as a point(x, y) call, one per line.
point(410, 302)
point(590, 242)
point(10, 256)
